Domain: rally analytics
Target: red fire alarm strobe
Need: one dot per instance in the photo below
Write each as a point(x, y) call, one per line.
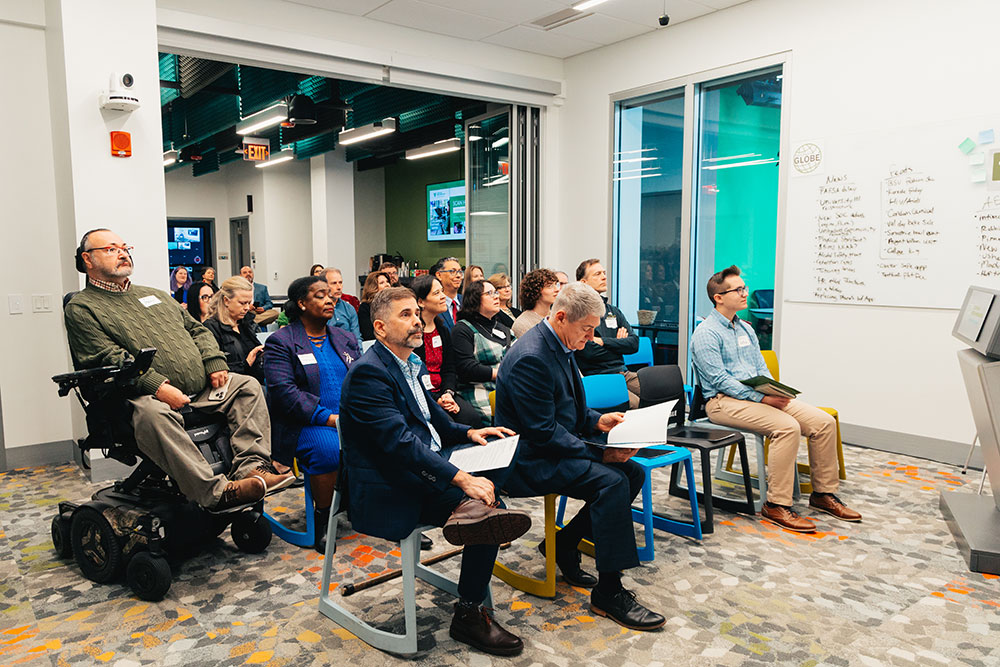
point(121, 144)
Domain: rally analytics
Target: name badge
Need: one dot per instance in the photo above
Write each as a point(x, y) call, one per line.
point(743, 341)
point(306, 359)
point(611, 322)
point(150, 300)
point(436, 341)
point(499, 334)
point(428, 385)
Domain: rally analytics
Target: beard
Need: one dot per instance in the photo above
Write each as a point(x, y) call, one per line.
point(121, 271)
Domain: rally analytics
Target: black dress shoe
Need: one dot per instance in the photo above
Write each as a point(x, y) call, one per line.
point(322, 518)
point(425, 543)
point(624, 609)
point(473, 625)
point(569, 567)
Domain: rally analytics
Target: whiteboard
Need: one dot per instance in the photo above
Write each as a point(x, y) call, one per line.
point(899, 218)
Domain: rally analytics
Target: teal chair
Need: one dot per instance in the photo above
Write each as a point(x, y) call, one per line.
point(643, 356)
point(605, 392)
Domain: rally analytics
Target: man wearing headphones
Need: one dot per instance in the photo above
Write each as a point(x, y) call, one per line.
point(111, 320)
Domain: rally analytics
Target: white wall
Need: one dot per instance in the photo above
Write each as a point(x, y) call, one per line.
point(32, 345)
point(855, 66)
point(333, 212)
point(202, 197)
point(369, 222)
point(288, 252)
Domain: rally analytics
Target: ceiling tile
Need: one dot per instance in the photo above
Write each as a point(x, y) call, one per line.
point(356, 7)
point(721, 4)
point(509, 11)
point(601, 29)
point(647, 12)
point(539, 41)
point(434, 18)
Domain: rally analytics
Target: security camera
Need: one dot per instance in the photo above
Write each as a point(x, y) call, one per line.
point(664, 20)
point(120, 96)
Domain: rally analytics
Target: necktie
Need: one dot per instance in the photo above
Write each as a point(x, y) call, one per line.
point(454, 312)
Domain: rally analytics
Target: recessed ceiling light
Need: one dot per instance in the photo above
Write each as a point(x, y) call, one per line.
point(587, 4)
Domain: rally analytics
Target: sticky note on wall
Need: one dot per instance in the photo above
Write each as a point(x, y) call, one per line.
point(986, 136)
point(967, 146)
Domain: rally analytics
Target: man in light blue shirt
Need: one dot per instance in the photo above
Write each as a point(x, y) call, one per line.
point(725, 351)
point(344, 315)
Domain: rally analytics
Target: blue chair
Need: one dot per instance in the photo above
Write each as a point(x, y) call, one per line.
point(299, 538)
point(605, 392)
point(643, 356)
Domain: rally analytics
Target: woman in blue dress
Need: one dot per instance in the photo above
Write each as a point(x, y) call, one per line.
point(304, 367)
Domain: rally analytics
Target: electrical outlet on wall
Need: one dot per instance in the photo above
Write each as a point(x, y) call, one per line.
point(275, 275)
point(41, 303)
point(15, 304)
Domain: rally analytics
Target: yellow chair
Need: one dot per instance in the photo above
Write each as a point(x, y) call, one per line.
point(493, 403)
point(771, 359)
point(543, 588)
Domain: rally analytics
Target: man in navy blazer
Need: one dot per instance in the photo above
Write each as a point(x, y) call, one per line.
point(540, 395)
point(448, 271)
point(394, 455)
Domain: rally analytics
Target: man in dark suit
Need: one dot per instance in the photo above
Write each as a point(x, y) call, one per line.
point(394, 449)
point(540, 395)
point(449, 273)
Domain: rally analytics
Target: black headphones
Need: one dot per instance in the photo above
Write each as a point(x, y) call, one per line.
point(80, 266)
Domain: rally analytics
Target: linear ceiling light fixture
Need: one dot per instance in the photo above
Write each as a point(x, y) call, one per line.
point(370, 131)
point(277, 158)
point(748, 163)
point(170, 157)
point(269, 117)
point(437, 148)
point(502, 141)
point(587, 4)
point(730, 157)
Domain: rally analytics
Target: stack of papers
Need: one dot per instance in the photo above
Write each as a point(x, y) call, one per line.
point(643, 427)
point(492, 456)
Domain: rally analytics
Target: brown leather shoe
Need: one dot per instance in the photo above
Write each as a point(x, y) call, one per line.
point(244, 491)
point(274, 480)
point(787, 518)
point(829, 503)
point(474, 626)
point(475, 522)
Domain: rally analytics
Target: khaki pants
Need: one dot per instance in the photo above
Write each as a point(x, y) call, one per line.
point(632, 380)
point(160, 434)
point(785, 428)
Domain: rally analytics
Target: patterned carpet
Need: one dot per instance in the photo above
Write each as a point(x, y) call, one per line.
point(892, 590)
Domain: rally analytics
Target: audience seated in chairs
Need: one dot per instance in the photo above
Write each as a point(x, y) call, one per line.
point(398, 476)
point(613, 337)
point(199, 298)
point(508, 313)
point(234, 326)
point(724, 350)
point(208, 276)
point(111, 320)
point(437, 352)
point(473, 272)
point(344, 315)
point(263, 307)
point(305, 364)
point(540, 395)
point(180, 281)
point(374, 283)
point(538, 291)
point(480, 341)
point(391, 272)
point(449, 271)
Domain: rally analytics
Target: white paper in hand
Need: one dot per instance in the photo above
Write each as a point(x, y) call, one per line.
point(642, 427)
point(497, 454)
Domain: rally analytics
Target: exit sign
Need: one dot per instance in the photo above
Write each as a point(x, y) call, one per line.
point(256, 149)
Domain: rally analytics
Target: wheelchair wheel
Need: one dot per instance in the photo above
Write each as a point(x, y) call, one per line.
point(148, 576)
point(95, 545)
point(60, 537)
point(251, 532)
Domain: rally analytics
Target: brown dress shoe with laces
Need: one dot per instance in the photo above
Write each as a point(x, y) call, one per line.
point(473, 625)
point(244, 491)
point(274, 480)
point(787, 518)
point(475, 522)
point(829, 503)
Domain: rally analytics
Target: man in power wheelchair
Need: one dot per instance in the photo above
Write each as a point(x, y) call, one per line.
point(178, 409)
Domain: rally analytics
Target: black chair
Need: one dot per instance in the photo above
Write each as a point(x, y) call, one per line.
point(658, 384)
point(133, 526)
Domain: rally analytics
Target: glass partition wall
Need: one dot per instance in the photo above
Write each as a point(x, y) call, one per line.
point(695, 183)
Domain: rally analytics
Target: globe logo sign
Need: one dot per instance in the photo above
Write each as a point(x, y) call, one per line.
point(807, 158)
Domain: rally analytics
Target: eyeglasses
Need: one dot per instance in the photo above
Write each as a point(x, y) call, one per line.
point(114, 249)
point(205, 297)
point(451, 271)
point(742, 291)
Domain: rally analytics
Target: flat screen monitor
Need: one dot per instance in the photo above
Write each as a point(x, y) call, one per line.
point(446, 211)
point(186, 246)
point(978, 323)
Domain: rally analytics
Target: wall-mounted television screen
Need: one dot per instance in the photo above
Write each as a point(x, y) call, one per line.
point(446, 211)
point(187, 243)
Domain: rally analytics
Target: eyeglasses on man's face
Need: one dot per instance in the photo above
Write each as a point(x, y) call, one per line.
point(452, 271)
point(113, 249)
point(743, 290)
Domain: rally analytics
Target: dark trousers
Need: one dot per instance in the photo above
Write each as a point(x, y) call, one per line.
point(477, 559)
point(608, 489)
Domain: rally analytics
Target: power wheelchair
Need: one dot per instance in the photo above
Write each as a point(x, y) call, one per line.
point(135, 525)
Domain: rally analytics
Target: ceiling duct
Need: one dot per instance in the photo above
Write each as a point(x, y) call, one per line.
point(559, 18)
point(195, 74)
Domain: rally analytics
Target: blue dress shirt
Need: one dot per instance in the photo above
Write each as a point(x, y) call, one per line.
point(724, 353)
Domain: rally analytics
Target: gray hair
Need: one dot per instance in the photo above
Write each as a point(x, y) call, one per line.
point(227, 290)
point(327, 271)
point(381, 307)
point(578, 300)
